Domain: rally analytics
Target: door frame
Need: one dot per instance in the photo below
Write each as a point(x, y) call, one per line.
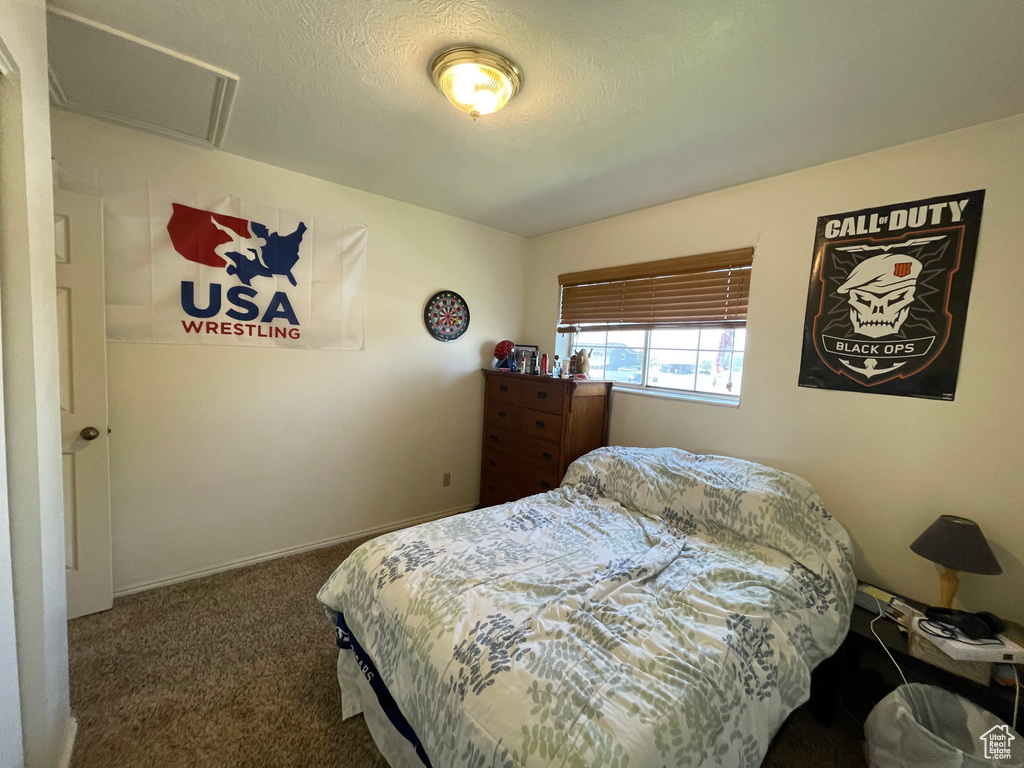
point(11, 746)
point(31, 410)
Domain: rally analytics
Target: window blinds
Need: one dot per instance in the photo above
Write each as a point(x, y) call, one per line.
point(708, 289)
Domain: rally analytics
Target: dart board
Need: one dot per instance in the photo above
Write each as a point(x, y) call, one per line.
point(446, 316)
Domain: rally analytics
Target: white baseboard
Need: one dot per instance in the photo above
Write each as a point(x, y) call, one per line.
point(69, 743)
point(274, 555)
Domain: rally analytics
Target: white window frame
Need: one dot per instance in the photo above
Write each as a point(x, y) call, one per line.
point(647, 389)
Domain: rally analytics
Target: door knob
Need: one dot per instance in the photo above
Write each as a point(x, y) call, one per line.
point(89, 433)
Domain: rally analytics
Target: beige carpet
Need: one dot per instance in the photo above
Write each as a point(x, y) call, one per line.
point(237, 670)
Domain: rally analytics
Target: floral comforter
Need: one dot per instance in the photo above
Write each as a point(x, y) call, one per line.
point(658, 609)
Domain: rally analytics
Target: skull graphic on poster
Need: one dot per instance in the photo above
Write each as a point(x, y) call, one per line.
point(887, 297)
point(880, 291)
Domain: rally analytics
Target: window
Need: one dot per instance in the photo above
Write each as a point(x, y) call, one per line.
point(673, 326)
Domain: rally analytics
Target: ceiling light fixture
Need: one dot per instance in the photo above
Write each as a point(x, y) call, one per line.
point(476, 80)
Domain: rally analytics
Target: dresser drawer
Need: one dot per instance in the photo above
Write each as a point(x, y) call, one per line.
point(531, 480)
point(501, 477)
point(506, 478)
point(542, 424)
point(499, 465)
point(504, 388)
point(545, 395)
point(494, 491)
point(502, 414)
point(498, 439)
point(539, 452)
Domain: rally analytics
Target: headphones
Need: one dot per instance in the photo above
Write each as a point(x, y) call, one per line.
point(976, 626)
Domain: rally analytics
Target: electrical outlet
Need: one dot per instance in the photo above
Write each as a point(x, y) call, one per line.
point(446, 479)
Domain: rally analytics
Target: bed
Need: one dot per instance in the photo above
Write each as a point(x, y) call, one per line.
point(659, 608)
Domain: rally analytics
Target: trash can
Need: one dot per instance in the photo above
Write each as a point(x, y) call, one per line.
point(921, 726)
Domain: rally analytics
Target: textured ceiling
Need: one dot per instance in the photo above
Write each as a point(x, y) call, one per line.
point(624, 104)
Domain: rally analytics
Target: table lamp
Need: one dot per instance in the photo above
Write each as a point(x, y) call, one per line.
point(957, 544)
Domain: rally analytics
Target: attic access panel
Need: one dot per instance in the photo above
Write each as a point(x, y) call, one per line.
point(108, 74)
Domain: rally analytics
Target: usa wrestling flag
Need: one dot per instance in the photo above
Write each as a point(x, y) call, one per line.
point(201, 269)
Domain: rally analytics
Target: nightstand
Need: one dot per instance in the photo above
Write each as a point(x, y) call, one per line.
point(861, 646)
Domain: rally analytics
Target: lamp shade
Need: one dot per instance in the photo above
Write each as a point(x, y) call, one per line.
point(958, 544)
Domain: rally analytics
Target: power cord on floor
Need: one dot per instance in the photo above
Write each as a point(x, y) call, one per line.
point(881, 615)
point(884, 648)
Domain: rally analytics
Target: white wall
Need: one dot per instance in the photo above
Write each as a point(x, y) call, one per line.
point(886, 466)
point(31, 409)
point(226, 453)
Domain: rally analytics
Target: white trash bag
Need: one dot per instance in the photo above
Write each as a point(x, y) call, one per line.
point(921, 726)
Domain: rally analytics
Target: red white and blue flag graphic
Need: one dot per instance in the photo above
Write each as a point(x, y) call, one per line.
point(222, 270)
point(214, 239)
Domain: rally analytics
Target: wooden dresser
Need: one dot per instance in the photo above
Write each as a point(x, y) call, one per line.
point(534, 428)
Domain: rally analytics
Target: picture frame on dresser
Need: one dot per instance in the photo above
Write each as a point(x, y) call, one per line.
point(532, 357)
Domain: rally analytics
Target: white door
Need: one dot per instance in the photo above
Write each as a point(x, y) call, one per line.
point(81, 327)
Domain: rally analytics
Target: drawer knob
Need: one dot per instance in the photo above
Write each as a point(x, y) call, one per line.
point(545, 485)
point(539, 423)
point(547, 455)
point(494, 438)
point(490, 486)
point(542, 395)
point(501, 414)
point(493, 462)
point(504, 387)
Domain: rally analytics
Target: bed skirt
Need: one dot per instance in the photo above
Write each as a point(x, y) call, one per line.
point(358, 696)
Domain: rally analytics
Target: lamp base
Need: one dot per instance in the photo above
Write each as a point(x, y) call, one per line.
point(949, 582)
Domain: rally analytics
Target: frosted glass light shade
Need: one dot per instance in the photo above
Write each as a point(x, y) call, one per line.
point(476, 80)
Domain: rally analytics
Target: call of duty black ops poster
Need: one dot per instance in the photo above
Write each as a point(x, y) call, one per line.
point(887, 302)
